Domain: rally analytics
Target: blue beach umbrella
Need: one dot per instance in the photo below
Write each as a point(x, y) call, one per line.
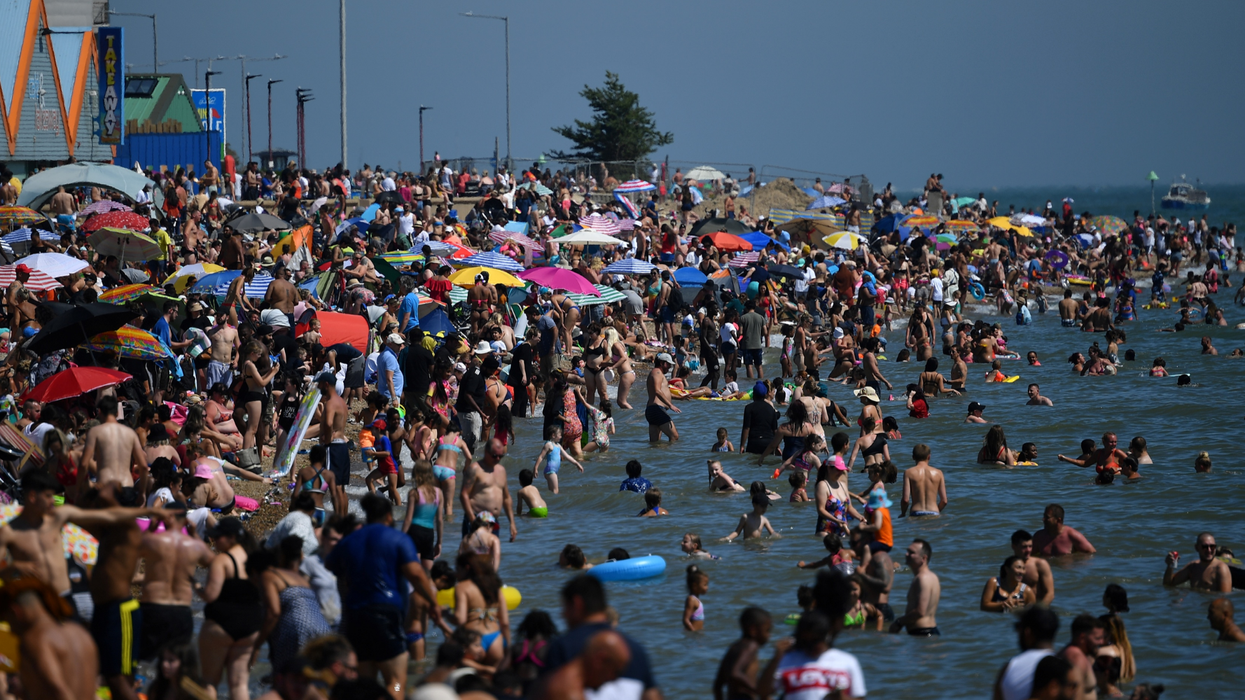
point(629, 266)
point(826, 202)
point(690, 277)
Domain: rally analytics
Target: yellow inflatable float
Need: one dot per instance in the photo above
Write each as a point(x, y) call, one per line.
point(445, 597)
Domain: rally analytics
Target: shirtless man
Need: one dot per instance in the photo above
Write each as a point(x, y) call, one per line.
point(603, 659)
point(222, 362)
point(1104, 458)
point(484, 489)
point(282, 294)
point(1056, 539)
point(923, 595)
point(924, 487)
point(169, 562)
point(659, 399)
point(113, 452)
point(232, 252)
point(209, 181)
point(1036, 398)
point(62, 203)
point(235, 298)
point(1038, 575)
point(59, 659)
point(1220, 615)
point(1087, 636)
point(333, 412)
point(1069, 310)
point(192, 236)
point(1208, 573)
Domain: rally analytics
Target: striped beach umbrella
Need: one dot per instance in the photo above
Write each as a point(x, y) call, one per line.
point(844, 240)
point(502, 235)
point(19, 240)
point(38, 282)
point(131, 342)
point(198, 270)
point(496, 261)
point(126, 294)
point(608, 295)
point(218, 283)
point(600, 224)
point(629, 266)
point(635, 186)
point(744, 259)
point(401, 258)
point(921, 220)
point(103, 207)
point(960, 226)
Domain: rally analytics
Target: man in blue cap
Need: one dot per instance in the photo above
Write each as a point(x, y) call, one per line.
point(760, 421)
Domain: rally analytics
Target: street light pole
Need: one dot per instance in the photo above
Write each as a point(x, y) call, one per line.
point(422, 109)
point(247, 147)
point(342, 50)
point(155, 44)
point(270, 84)
point(207, 104)
point(250, 145)
point(304, 96)
point(507, 21)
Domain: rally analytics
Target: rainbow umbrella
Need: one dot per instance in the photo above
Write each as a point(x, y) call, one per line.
point(960, 226)
point(131, 342)
point(123, 295)
point(1109, 225)
point(402, 258)
point(921, 220)
point(78, 543)
point(20, 216)
point(948, 238)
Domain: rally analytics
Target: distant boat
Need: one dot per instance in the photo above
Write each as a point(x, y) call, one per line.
point(1182, 195)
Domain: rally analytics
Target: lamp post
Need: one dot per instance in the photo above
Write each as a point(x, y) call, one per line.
point(1152, 177)
point(246, 105)
point(304, 96)
point(155, 45)
point(270, 84)
point(507, 21)
point(207, 104)
point(187, 59)
point(250, 145)
point(422, 109)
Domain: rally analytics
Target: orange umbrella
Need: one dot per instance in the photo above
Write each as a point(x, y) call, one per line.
point(727, 242)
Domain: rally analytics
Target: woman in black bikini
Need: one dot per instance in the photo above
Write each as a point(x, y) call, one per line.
point(255, 389)
point(234, 610)
point(792, 433)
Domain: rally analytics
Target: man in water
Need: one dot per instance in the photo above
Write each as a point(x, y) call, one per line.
point(1104, 458)
point(924, 487)
point(1087, 637)
point(1068, 310)
point(920, 617)
point(603, 659)
point(333, 434)
point(1055, 538)
point(59, 659)
point(1036, 398)
point(1038, 575)
point(1208, 573)
point(878, 575)
point(659, 399)
point(170, 559)
point(760, 421)
point(1220, 615)
point(1036, 628)
point(974, 413)
point(113, 451)
point(484, 489)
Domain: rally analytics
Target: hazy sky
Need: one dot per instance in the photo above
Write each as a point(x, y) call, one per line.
point(988, 93)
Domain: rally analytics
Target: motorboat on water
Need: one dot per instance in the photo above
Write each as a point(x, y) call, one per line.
point(1183, 195)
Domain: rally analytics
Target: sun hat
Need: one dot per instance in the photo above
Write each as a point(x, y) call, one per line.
point(483, 348)
point(868, 393)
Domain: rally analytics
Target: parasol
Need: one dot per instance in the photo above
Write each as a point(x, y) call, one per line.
point(126, 220)
point(727, 242)
point(124, 244)
point(79, 323)
point(466, 277)
point(126, 294)
point(74, 381)
point(496, 261)
point(38, 282)
point(53, 264)
point(559, 278)
point(20, 216)
point(131, 342)
point(181, 278)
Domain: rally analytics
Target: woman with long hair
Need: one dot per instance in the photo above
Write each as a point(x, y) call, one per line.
point(1007, 592)
point(995, 450)
point(1116, 656)
point(176, 662)
point(423, 521)
point(791, 434)
point(257, 372)
point(234, 611)
point(478, 605)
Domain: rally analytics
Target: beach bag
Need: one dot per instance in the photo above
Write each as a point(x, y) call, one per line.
point(247, 459)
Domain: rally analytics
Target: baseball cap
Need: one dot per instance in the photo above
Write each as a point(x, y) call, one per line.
point(328, 377)
point(760, 389)
point(665, 357)
point(974, 406)
point(379, 424)
point(396, 339)
point(23, 267)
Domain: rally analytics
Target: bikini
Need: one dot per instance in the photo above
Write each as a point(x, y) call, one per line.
point(489, 615)
point(698, 615)
point(876, 448)
point(444, 473)
point(1000, 598)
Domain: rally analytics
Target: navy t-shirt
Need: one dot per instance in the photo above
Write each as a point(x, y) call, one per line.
point(635, 679)
point(371, 561)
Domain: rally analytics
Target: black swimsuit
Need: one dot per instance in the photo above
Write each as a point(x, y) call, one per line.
point(238, 609)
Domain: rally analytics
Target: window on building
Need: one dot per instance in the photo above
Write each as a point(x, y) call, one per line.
point(140, 87)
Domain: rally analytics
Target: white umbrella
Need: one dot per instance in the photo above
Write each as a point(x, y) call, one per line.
point(705, 172)
point(588, 237)
point(53, 264)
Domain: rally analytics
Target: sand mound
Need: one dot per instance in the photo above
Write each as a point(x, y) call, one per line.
point(779, 194)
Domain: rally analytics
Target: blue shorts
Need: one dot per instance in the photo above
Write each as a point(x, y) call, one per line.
point(752, 356)
point(443, 473)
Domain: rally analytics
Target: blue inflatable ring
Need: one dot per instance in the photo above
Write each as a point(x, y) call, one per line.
point(629, 569)
point(978, 291)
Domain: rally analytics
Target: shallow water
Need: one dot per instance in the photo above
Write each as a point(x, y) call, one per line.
point(1132, 526)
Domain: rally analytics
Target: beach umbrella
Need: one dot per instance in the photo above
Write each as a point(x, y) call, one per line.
point(960, 226)
point(629, 266)
point(131, 342)
point(79, 323)
point(787, 271)
point(102, 207)
point(1022, 230)
point(450, 250)
point(922, 220)
point(1000, 222)
point(126, 245)
point(1028, 220)
point(496, 261)
point(705, 172)
point(393, 196)
point(535, 187)
point(844, 240)
point(401, 258)
point(727, 242)
point(743, 260)
point(457, 295)
point(888, 223)
point(605, 295)
point(811, 228)
point(134, 275)
point(19, 241)
point(559, 278)
point(1109, 225)
point(38, 282)
point(357, 222)
point(502, 235)
point(1084, 239)
point(127, 220)
point(436, 322)
point(218, 283)
point(336, 327)
point(466, 277)
point(704, 226)
point(126, 294)
point(961, 202)
point(760, 240)
point(180, 278)
point(635, 186)
point(39, 188)
point(826, 201)
point(690, 277)
point(77, 543)
point(600, 224)
point(257, 223)
point(53, 264)
point(589, 237)
point(947, 238)
point(20, 216)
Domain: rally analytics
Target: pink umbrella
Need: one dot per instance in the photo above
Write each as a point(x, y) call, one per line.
point(559, 278)
point(102, 207)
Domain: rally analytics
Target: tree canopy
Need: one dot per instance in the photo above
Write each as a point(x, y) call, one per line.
point(620, 128)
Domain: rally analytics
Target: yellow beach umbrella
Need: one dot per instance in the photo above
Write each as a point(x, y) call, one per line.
point(466, 277)
point(844, 240)
point(1006, 224)
point(182, 277)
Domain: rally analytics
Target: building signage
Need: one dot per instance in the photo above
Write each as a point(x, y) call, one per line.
point(111, 85)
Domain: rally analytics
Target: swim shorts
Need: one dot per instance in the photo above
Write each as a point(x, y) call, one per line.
point(538, 512)
point(752, 356)
point(888, 614)
point(920, 513)
point(164, 625)
point(656, 415)
point(1067, 322)
point(117, 627)
point(339, 462)
point(924, 631)
point(375, 631)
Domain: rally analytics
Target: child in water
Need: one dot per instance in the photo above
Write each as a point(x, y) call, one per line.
point(529, 495)
point(552, 455)
point(693, 609)
point(1202, 464)
point(859, 612)
point(1028, 455)
point(720, 481)
point(652, 504)
point(737, 673)
point(995, 374)
point(693, 548)
point(754, 524)
point(723, 444)
point(838, 557)
point(1159, 368)
point(799, 483)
